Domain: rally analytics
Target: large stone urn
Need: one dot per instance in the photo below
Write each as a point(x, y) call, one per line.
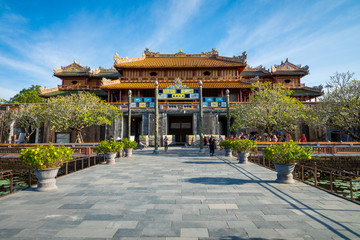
point(284, 173)
point(110, 158)
point(46, 179)
point(243, 157)
point(128, 152)
point(228, 152)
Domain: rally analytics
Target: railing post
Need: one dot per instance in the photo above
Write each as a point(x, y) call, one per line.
point(75, 165)
point(82, 163)
point(351, 190)
point(89, 162)
point(331, 181)
point(11, 182)
point(66, 168)
point(302, 173)
point(315, 175)
point(29, 178)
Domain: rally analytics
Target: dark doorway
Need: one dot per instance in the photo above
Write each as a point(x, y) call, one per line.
point(335, 136)
point(136, 123)
point(180, 126)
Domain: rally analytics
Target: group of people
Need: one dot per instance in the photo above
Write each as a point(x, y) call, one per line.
point(281, 137)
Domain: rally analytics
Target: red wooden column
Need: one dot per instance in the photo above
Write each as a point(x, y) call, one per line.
point(108, 95)
point(119, 95)
point(241, 96)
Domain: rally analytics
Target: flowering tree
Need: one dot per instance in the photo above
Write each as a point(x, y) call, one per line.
point(340, 105)
point(270, 110)
point(78, 111)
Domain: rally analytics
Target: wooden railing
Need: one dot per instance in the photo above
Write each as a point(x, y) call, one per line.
point(78, 163)
point(328, 179)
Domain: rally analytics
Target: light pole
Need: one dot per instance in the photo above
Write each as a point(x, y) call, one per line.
point(227, 114)
point(129, 114)
point(202, 150)
point(156, 150)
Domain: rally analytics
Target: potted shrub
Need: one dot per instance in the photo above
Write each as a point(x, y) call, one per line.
point(46, 160)
point(285, 156)
point(109, 149)
point(243, 148)
point(226, 144)
point(128, 146)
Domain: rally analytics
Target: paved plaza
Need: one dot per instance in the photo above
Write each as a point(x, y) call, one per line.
point(181, 194)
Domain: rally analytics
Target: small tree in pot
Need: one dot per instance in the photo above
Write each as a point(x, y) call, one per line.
point(226, 144)
point(285, 156)
point(46, 160)
point(128, 146)
point(243, 147)
point(110, 149)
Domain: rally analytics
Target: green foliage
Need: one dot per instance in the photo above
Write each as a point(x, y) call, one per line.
point(129, 144)
point(79, 111)
point(226, 143)
point(44, 157)
point(340, 105)
point(28, 95)
point(287, 153)
point(109, 147)
point(243, 145)
point(270, 110)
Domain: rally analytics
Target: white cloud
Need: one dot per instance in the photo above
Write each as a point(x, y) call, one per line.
point(171, 20)
point(7, 93)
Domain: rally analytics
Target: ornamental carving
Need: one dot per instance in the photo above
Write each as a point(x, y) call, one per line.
point(148, 52)
point(74, 67)
point(288, 66)
point(241, 58)
point(180, 54)
point(211, 53)
point(119, 60)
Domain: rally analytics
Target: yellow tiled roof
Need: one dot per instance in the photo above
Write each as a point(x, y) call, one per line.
point(179, 62)
point(162, 85)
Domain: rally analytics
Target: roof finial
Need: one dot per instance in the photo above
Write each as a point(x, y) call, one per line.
point(75, 61)
point(180, 50)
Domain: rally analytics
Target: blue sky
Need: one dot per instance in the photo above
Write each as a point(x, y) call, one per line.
point(37, 36)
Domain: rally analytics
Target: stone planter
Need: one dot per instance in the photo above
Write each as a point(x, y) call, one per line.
point(46, 179)
point(243, 157)
point(110, 158)
point(284, 173)
point(128, 152)
point(120, 153)
point(228, 152)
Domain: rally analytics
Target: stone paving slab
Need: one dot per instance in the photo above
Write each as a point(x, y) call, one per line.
point(178, 195)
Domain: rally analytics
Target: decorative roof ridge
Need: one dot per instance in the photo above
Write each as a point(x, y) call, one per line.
point(73, 67)
point(104, 70)
point(120, 60)
point(315, 89)
point(288, 66)
point(211, 54)
point(258, 68)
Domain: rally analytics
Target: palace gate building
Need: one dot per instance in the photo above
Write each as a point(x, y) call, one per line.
point(178, 76)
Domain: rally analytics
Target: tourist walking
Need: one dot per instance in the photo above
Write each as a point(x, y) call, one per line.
point(212, 145)
point(166, 144)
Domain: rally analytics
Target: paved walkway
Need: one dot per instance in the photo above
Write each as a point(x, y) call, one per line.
point(177, 195)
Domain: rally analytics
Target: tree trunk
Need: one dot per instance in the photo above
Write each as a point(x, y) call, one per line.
point(79, 138)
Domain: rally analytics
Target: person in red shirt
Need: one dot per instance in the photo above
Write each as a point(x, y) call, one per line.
point(302, 138)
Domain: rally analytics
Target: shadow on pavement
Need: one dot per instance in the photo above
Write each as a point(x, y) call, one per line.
point(223, 181)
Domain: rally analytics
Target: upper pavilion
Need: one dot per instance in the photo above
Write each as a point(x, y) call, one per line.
point(217, 73)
